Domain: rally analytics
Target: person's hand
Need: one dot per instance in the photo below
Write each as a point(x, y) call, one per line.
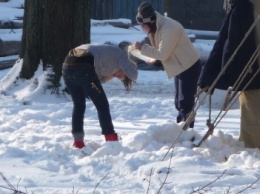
point(138, 45)
point(202, 94)
point(202, 89)
point(151, 62)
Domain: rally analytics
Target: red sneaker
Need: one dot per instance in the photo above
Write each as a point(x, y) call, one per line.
point(78, 144)
point(111, 137)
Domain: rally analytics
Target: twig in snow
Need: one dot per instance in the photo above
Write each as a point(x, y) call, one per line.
point(204, 187)
point(149, 182)
point(249, 186)
point(168, 172)
point(10, 186)
point(228, 190)
point(76, 191)
point(100, 182)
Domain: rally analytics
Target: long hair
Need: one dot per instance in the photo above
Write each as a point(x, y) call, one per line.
point(152, 25)
point(128, 83)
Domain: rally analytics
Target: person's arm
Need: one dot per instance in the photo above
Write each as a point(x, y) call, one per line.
point(169, 38)
point(105, 79)
point(135, 51)
point(138, 45)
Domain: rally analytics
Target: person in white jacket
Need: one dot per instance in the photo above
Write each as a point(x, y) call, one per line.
point(171, 45)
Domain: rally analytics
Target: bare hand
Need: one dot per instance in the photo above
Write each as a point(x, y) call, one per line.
point(151, 62)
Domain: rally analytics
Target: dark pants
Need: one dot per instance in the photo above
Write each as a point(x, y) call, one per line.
point(82, 82)
point(185, 90)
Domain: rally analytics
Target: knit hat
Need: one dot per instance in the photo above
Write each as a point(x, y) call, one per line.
point(146, 13)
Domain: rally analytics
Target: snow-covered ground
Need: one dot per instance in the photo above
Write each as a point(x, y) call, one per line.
point(36, 153)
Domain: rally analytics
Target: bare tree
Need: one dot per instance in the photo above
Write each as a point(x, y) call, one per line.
point(51, 28)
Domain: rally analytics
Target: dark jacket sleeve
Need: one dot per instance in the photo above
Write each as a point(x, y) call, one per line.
point(213, 65)
point(236, 25)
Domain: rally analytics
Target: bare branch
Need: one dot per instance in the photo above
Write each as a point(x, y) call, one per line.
point(76, 191)
point(168, 172)
point(228, 190)
point(207, 185)
point(10, 186)
point(249, 186)
point(7, 182)
point(100, 182)
point(149, 181)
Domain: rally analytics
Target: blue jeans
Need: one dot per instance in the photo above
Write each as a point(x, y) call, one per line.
point(82, 82)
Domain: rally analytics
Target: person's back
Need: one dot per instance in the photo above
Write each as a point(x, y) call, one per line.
point(109, 59)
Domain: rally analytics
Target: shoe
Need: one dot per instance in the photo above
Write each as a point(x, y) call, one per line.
point(78, 144)
point(182, 117)
point(111, 137)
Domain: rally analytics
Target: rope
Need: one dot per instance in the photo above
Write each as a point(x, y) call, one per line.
point(244, 88)
point(233, 100)
point(245, 72)
point(247, 68)
point(209, 91)
point(233, 55)
point(209, 119)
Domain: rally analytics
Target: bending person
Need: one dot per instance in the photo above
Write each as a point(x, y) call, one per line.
point(84, 69)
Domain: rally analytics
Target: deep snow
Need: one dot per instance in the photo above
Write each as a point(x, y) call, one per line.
point(36, 153)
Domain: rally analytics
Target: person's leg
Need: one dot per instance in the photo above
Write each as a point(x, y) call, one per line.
point(78, 97)
point(176, 99)
point(94, 90)
point(187, 90)
point(250, 122)
point(79, 106)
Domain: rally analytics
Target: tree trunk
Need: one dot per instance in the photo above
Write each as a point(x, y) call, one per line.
point(51, 28)
point(31, 38)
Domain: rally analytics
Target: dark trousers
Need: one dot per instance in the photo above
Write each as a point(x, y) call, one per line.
point(82, 82)
point(185, 90)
